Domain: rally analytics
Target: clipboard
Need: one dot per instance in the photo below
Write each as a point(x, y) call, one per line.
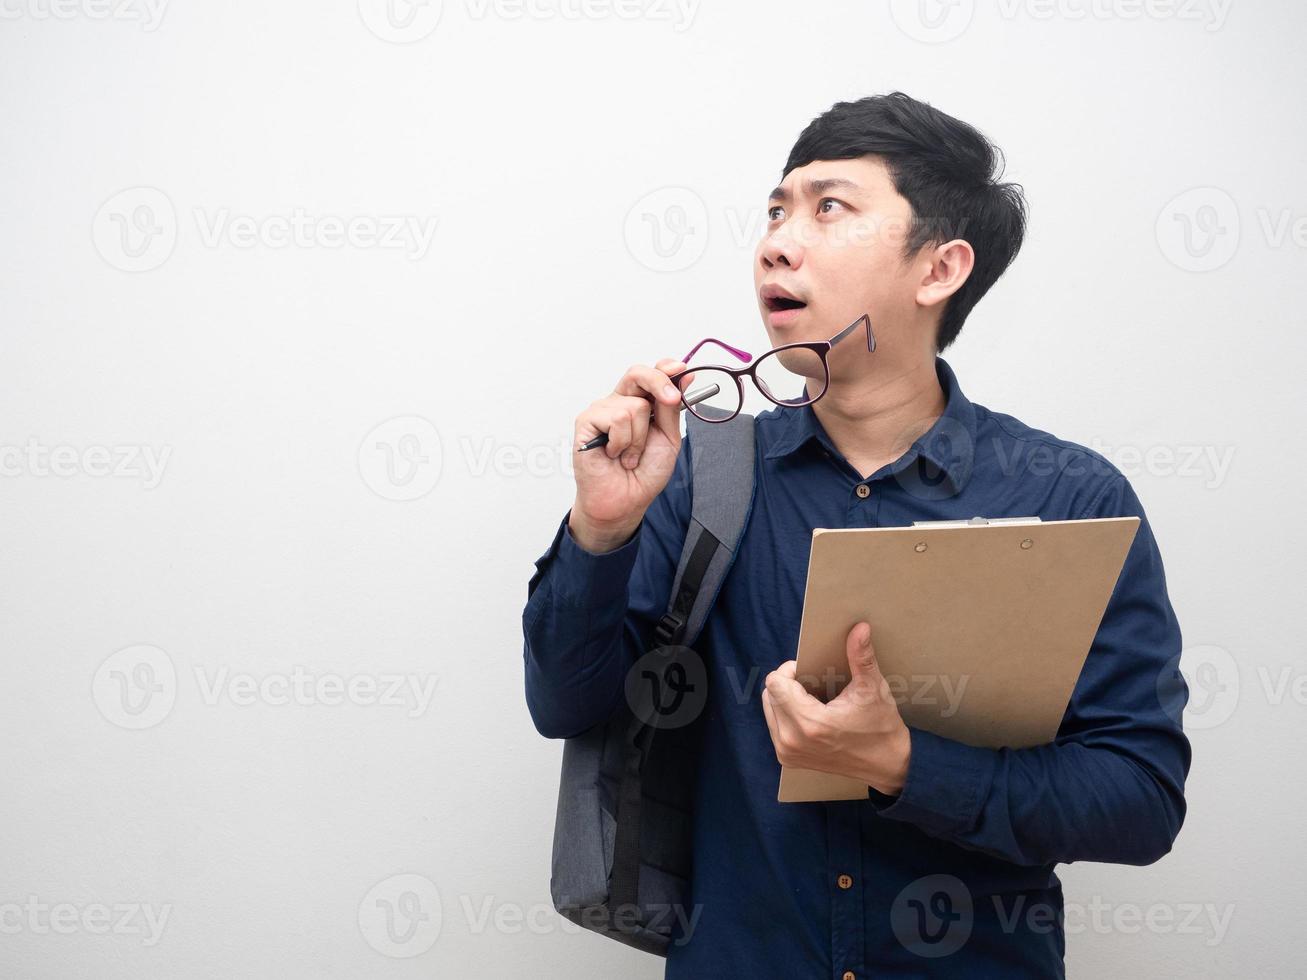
point(981, 627)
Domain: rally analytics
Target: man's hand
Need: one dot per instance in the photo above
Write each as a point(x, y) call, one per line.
point(616, 484)
point(859, 733)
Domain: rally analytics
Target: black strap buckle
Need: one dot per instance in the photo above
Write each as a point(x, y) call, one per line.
point(670, 629)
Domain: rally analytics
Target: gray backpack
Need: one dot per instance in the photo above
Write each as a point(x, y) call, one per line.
point(621, 861)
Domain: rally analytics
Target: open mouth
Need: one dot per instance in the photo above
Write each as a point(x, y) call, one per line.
point(775, 303)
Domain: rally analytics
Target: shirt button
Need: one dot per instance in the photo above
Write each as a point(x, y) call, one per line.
point(848, 975)
point(844, 881)
point(863, 491)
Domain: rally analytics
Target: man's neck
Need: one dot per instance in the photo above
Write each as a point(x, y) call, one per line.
point(874, 420)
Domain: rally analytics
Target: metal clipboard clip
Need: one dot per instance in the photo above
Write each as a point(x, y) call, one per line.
point(978, 521)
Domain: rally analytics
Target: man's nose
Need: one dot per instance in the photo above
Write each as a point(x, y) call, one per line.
point(780, 248)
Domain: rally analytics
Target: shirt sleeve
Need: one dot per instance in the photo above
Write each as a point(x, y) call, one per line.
point(1110, 787)
point(589, 617)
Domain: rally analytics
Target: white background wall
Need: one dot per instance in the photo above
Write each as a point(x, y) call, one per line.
point(261, 379)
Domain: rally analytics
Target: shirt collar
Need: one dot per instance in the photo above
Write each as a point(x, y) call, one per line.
point(949, 444)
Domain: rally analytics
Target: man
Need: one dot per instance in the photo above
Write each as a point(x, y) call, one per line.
point(890, 207)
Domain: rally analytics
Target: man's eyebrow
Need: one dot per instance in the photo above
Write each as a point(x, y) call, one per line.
point(815, 187)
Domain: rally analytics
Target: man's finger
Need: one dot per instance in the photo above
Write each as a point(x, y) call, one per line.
point(779, 722)
point(862, 654)
point(785, 690)
point(867, 685)
point(667, 413)
point(641, 380)
point(769, 713)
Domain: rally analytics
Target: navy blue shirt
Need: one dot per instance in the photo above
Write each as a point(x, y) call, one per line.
point(955, 875)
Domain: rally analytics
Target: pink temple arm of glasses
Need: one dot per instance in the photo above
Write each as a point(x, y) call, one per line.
point(864, 319)
point(742, 355)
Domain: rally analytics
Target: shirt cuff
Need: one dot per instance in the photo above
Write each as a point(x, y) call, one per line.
point(946, 785)
point(582, 578)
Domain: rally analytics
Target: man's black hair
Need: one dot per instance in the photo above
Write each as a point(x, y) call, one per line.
point(948, 172)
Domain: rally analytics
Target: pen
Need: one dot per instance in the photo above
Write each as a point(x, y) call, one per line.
point(693, 398)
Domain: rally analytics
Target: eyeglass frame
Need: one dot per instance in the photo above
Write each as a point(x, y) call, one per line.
point(820, 347)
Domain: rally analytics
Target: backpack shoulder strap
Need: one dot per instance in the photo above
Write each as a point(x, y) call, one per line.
point(722, 467)
point(722, 471)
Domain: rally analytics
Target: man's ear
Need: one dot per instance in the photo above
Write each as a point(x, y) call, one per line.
point(948, 268)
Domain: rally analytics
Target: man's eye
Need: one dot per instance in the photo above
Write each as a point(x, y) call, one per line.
point(771, 213)
point(827, 200)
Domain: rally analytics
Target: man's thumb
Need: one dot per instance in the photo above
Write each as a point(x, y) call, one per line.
point(862, 655)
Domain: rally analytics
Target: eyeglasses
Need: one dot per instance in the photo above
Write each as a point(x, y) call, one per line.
point(770, 373)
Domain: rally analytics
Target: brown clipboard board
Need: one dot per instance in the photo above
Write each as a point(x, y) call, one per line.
point(981, 628)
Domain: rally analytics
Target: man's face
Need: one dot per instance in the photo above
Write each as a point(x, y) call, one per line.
point(834, 239)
